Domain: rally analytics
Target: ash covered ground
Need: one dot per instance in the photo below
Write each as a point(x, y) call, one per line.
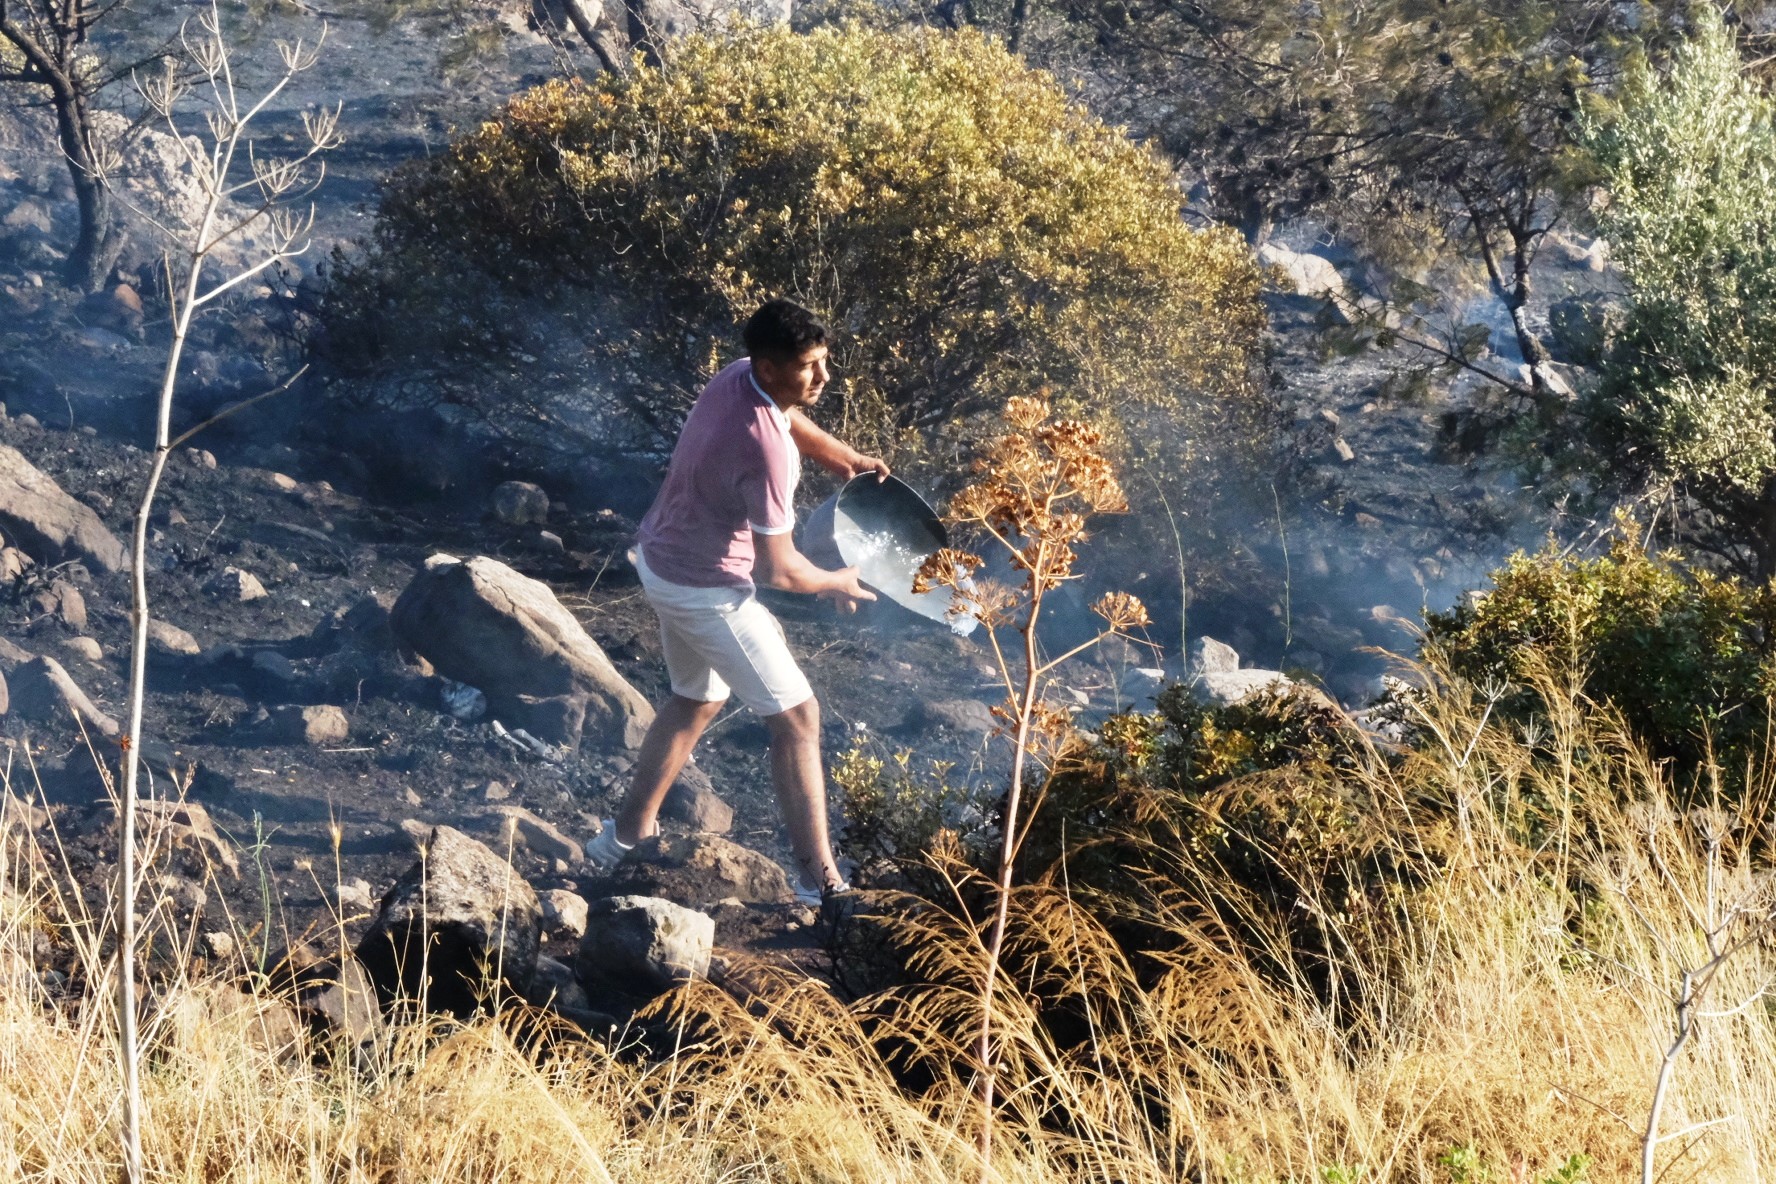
point(334, 528)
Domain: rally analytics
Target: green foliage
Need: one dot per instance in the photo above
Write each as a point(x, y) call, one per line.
point(1466, 1165)
point(574, 268)
point(1685, 655)
point(1689, 158)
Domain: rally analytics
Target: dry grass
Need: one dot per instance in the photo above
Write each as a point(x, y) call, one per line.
point(1516, 1004)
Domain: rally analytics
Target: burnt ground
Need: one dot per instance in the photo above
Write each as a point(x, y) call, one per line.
point(319, 549)
point(1402, 523)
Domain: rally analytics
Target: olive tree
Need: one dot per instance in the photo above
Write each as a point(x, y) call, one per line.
point(571, 271)
point(1684, 409)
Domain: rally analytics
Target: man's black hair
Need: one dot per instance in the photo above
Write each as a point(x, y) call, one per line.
point(782, 331)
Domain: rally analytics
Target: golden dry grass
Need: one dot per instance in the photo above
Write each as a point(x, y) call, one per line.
point(1516, 1004)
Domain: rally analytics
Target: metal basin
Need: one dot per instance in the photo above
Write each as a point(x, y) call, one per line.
point(886, 531)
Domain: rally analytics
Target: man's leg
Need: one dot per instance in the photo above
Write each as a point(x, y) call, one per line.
point(801, 790)
point(664, 750)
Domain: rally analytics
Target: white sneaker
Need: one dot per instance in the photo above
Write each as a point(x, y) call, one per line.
point(604, 849)
point(815, 895)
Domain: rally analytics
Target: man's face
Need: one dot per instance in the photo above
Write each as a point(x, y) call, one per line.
point(795, 383)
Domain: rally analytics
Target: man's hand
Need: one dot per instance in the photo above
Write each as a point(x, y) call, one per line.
point(847, 597)
point(868, 464)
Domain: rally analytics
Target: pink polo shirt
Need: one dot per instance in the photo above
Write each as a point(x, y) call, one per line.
point(733, 472)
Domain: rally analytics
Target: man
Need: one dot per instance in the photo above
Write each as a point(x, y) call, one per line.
point(721, 524)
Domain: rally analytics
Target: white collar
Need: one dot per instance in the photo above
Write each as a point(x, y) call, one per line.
point(777, 413)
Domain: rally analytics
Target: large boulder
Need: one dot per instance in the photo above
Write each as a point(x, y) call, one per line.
point(643, 945)
point(49, 524)
point(1310, 275)
point(700, 870)
point(459, 922)
point(479, 622)
point(43, 691)
point(1215, 674)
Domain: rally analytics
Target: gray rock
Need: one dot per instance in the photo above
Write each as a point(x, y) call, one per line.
point(642, 945)
point(519, 826)
point(19, 814)
point(167, 638)
point(1309, 274)
point(355, 895)
point(186, 826)
point(564, 913)
point(337, 1001)
point(518, 503)
point(458, 922)
point(69, 604)
point(85, 648)
point(1227, 687)
point(692, 800)
point(556, 988)
point(29, 215)
point(481, 623)
point(43, 691)
point(312, 725)
point(968, 717)
point(275, 665)
point(233, 584)
point(701, 869)
point(13, 564)
point(1208, 656)
point(48, 523)
point(182, 892)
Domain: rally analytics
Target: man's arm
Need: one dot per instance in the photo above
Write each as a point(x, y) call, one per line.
point(830, 452)
point(777, 564)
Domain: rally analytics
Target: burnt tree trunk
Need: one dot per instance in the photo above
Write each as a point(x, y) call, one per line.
point(50, 48)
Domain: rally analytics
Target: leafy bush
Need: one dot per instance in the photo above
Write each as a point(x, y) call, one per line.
point(574, 268)
point(1684, 655)
point(1689, 160)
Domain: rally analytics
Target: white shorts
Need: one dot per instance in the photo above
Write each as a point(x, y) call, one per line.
point(717, 639)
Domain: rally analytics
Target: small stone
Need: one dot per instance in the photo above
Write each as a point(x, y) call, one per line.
point(286, 483)
point(1329, 417)
point(549, 541)
point(355, 894)
point(219, 944)
point(167, 638)
point(517, 503)
point(27, 420)
point(564, 913)
point(540, 837)
point(70, 605)
point(1344, 451)
point(965, 717)
point(314, 726)
point(233, 584)
point(85, 647)
point(1209, 656)
point(555, 987)
point(495, 791)
point(1367, 521)
point(692, 800)
point(13, 564)
point(411, 797)
point(274, 665)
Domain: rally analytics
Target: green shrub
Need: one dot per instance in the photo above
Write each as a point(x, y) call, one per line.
point(1685, 655)
point(574, 268)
